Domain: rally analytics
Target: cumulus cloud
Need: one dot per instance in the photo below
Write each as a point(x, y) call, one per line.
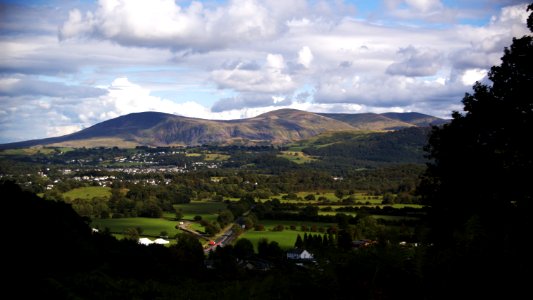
point(470, 76)
point(270, 78)
point(305, 57)
point(386, 91)
point(163, 23)
point(243, 100)
point(486, 43)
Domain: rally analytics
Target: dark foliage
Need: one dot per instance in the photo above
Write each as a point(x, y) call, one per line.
point(478, 185)
point(402, 146)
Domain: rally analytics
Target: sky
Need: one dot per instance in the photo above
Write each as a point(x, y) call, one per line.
point(67, 65)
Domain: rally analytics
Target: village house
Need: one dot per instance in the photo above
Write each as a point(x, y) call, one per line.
point(299, 254)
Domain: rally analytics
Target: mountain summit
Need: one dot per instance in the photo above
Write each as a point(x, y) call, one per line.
point(275, 127)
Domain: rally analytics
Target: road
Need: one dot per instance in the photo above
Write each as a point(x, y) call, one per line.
point(227, 235)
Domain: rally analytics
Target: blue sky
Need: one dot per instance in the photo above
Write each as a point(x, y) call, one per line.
point(66, 65)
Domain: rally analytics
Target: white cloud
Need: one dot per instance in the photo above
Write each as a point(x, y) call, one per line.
point(305, 56)
point(424, 5)
point(163, 23)
point(427, 10)
point(268, 79)
point(470, 76)
point(62, 130)
point(275, 62)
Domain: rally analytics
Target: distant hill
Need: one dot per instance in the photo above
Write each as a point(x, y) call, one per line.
point(370, 121)
point(275, 127)
point(400, 146)
point(416, 119)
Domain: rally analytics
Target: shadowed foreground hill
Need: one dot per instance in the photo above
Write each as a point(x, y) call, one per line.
point(55, 253)
point(160, 129)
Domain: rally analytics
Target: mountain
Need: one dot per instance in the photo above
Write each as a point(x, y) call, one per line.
point(417, 119)
point(370, 121)
point(275, 127)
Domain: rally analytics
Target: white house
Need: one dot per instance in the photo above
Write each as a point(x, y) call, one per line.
point(161, 241)
point(145, 241)
point(299, 254)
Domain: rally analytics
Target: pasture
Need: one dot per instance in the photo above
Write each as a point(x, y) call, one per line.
point(285, 238)
point(296, 157)
point(88, 192)
point(207, 210)
point(150, 226)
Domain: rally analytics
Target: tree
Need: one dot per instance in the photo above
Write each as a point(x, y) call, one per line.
point(299, 242)
point(479, 197)
point(151, 209)
point(339, 194)
point(248, 222)
point(188, 251)
point(243, 249)
point(211, 228)
point(179, 213)
point(309, 211)
point(310, 197)
point(480, 156)
point(388, 198)
point(131, 233)
point(269, 250)
point(225, 217)
point(278, 227)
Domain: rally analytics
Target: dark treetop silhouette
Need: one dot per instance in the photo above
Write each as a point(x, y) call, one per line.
point(478, 184)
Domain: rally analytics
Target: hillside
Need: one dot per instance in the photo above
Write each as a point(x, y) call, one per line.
point(370, 121)
point(415, 118)
point(275, 127)
point(401, 146)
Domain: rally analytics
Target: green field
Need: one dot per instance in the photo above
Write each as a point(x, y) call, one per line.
point(394, 218)
point(296, 156)
point(150, 227)
point(333, 213)
point(207, 210)
point(216, 157)
point(360, 198)
point(285, 238)
point(88, 192)
point(407, 205)
point(196, 227)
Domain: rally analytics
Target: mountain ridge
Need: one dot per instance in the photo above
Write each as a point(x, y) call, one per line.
point(274, 127)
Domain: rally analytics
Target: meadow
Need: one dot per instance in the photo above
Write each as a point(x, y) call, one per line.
point(296, 157)
point(285, 238)
point(88, 192)
point(207, 210)
point(150, 226)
